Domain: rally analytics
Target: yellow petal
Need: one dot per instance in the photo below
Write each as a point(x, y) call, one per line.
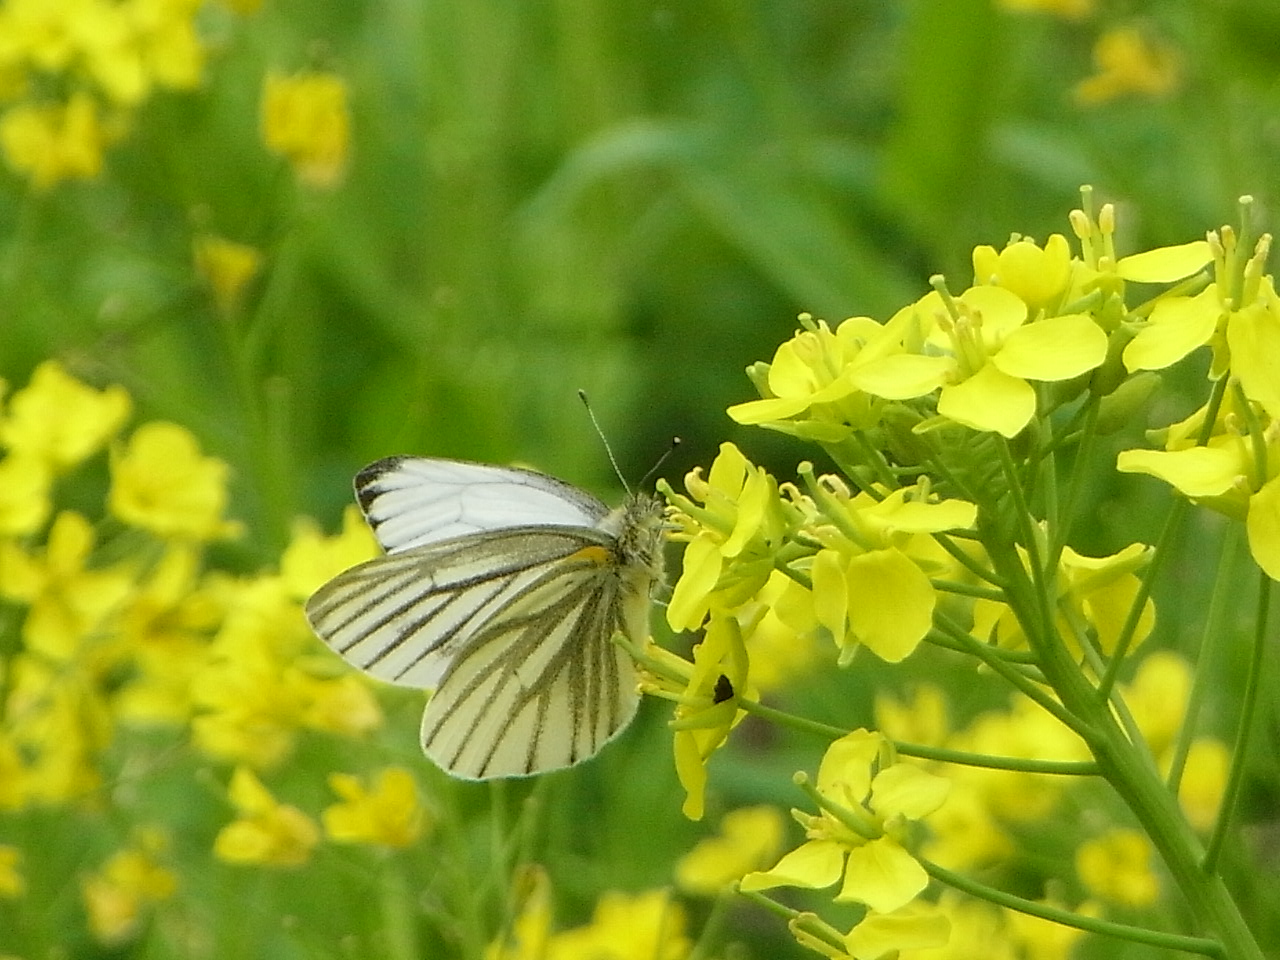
point(1165, 264)
point(1176, 326)
point(813, 865)
point(882, 875)
point(893, 603)
point(989, 400)
point(1253, 334)
point(904, 790)
point(1263, 524)
point(701, 571)
point(1196, 471)
point(1056, 348)
point(913, 927)
point(903, 376)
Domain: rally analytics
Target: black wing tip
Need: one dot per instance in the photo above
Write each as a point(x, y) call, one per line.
point(367, 479)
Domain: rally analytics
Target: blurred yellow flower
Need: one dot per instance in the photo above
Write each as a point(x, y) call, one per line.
point(1129, 62)
point(1204, 781)
point(117, 894)
point(641, 926)
point(266, 832)
point(69, 596)
point(388, 815)
point(12, 885)
point(1117, 867)
point(161, 482)
point(61, 421)
point(311, 558)
point(228, 268)
point(305, 119)
point(48, 143)
point(750, 838)
point(25, 501)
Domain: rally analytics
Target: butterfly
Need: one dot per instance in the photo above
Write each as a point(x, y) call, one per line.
point(500, 589)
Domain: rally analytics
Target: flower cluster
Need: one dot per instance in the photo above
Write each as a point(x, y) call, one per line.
point(642, 926)
point(945, 528)
point(120, 638)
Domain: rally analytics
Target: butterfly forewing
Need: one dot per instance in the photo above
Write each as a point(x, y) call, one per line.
point(502, 590)
point(411, 501)
point(404, 616)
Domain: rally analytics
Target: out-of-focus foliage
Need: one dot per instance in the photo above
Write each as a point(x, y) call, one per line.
point(278, 240)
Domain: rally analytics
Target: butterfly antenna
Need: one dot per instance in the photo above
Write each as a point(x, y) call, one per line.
point(675, 442)
point(582, 395)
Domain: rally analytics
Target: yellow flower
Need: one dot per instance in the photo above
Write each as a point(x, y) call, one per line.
point(228, 268)
point(266, 832)
point(60, 421)
point(166, 623)
point(1039, 276)
point(868, 589)
point(12, 885)
point(749, 839)
point(311, 558)
point(642, 926)
point(1237, 472)
point(25, 495)
point(69, 597)
point(1204, 781)
point(1117, 866)
point(1024, 731)
point(867, 799)
point(906, 933)
point(59, 719)
point(257, 688)
point(810, 389)
point(995, 347)
point(305, 119)
point(920, 719)
point(734, 522)
point(51, 143)
point(161, 482)
point(1129, 62)
point(1157, 698)
point(116, 895)
point(389, 815)
point(704, 692)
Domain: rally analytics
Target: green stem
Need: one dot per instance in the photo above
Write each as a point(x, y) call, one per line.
point(398, 925)
point(1140, 786)
point(1244, 728)
point(1045, 911)
point(922, 751)
point(1212, 639)
point(1061, 531)
point(1060, 768)
point(1161, 550)
point(1015, 679)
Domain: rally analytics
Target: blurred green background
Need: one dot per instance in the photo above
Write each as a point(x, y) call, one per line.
point(633, 198)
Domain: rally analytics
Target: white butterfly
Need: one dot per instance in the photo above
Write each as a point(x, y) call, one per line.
point(501, 589)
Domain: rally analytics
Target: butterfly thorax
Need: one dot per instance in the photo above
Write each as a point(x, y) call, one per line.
point(637, 525)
